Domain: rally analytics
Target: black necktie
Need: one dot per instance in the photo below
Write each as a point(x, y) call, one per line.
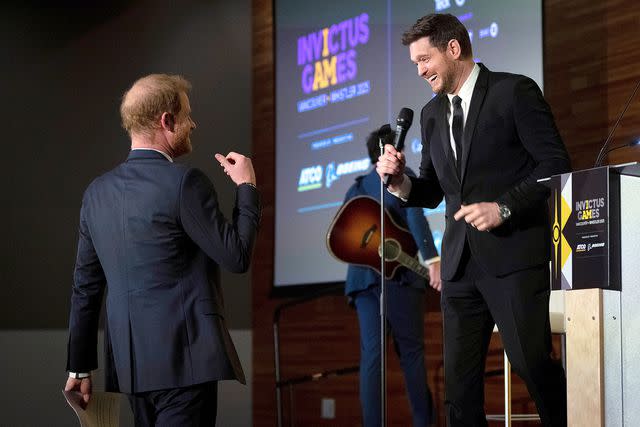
point(456, 129)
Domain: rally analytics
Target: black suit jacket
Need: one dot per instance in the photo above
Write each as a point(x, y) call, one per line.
point(153, 236)
point(510, 141)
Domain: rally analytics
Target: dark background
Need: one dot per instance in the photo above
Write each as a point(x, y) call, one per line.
point(64, 71)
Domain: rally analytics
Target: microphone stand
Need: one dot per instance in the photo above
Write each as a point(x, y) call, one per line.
point(383, 307)
point(603, 151)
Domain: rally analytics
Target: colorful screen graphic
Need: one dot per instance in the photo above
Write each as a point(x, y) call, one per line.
point(342, 72)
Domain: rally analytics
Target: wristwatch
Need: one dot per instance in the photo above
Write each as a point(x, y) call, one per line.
point(504, 211)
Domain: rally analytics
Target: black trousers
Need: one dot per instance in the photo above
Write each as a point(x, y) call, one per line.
point(194, 406)
point(519, 304)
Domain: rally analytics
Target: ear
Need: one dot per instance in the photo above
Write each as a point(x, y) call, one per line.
point(167, 121)
point(453, 48)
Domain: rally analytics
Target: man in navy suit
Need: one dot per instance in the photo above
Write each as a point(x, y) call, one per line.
point(405, 306)
point(487, 138)
point(153, 236)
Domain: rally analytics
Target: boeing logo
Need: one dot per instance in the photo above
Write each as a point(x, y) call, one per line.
point(330, 174)
point(594, 245)
point(333, 172)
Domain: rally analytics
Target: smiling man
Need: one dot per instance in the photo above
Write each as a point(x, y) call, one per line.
point(487, 138)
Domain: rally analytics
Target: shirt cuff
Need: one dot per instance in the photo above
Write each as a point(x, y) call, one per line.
point(432, 260)
point(79, 375)
point(403, 189)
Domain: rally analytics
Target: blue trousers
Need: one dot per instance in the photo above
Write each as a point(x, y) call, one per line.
point(405, 320)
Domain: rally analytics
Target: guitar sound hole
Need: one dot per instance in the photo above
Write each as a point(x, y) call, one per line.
point(391, 250)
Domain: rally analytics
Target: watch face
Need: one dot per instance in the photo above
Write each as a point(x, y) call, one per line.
point(505, 213)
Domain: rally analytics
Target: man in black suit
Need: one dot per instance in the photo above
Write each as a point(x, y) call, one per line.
point(487, 138)
point(153, 236)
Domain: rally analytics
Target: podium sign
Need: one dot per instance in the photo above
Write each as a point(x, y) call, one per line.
point(596, 242)
point(585, 218)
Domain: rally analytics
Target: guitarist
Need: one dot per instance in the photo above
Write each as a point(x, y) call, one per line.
point(405, 305)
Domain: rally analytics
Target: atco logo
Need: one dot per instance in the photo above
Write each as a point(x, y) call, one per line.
point(582, 247)
point(310, 178)
point(333, 172)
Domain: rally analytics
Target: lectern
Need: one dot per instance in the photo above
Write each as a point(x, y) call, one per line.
point(595, 253)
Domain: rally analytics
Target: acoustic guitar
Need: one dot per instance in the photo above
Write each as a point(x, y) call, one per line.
point(354, 237)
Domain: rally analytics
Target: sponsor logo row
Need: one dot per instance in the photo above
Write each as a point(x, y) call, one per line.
point(315, 177)
point(586, 247)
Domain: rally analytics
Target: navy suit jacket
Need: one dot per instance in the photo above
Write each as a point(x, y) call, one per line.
point(510, 141)
point(360, 278)
point(153, 236)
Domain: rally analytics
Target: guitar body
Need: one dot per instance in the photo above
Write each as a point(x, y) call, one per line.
point(354, 236)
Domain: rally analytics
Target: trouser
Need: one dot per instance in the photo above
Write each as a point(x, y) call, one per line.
point(405, 319)
point(519, 305)
point(194, 406)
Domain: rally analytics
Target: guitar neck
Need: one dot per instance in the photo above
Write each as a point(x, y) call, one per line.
point(413, 264)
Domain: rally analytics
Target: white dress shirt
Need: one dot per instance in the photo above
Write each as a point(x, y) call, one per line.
point(465, 93)
point(168, 157)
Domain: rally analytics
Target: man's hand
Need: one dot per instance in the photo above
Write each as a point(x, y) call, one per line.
point(434, 276)
point(391, 163)
point(238, 167)
point(484, 216)
point(83, 386)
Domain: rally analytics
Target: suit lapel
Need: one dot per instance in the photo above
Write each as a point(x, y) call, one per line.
point(445, 134)
point(479, 92)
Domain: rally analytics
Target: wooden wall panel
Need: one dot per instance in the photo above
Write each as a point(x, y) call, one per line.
point(592, 62)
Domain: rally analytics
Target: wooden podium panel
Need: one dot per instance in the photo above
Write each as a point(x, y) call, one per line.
point(585, 358)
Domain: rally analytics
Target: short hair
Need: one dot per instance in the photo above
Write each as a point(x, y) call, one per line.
point(373, 144)
point(440, 28)
point(148, 98)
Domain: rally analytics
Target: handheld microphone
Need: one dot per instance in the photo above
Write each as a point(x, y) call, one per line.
point(603, 150)
point(403, 123)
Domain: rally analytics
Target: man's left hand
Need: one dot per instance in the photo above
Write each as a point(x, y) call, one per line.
point(484, 216)
point(83, 386)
